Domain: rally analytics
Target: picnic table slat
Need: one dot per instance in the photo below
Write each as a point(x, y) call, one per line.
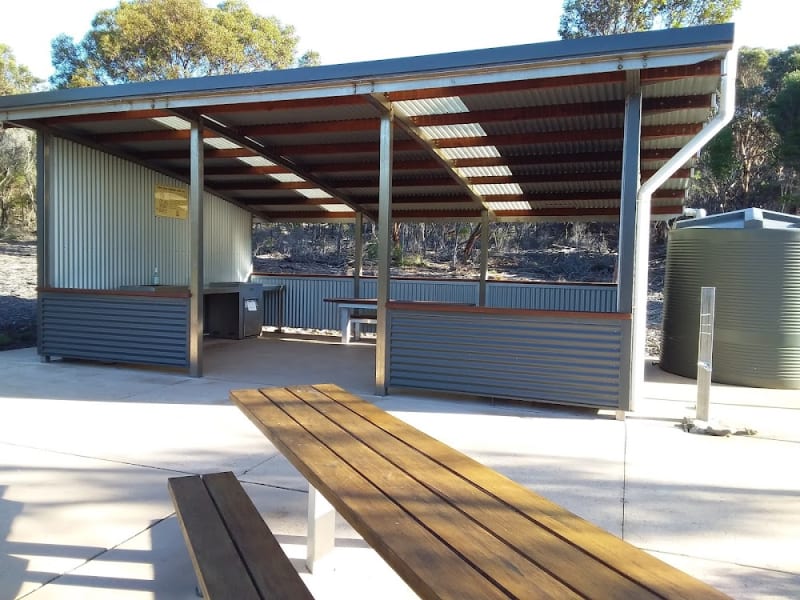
point(213, 553)
point(477, 544)
point(412, 551)
point(562, 560)
point(270, 569)
point(664, 579)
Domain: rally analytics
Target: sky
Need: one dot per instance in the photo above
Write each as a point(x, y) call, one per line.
point(343, 31)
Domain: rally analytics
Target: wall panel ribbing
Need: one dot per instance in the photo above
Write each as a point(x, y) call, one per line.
point(537, 358)
point(105, 234)
point(135, 329)
point(305, 307)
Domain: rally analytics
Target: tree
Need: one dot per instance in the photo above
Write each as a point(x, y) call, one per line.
point(17, 164)
point(147, 40)
point(14, 78)
point(785, 118)
point(588, 18)
point(17, 180)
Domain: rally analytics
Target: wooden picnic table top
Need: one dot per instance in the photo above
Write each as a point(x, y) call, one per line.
point(448, 525)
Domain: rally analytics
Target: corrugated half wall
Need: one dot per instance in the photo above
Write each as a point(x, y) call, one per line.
point(572, 360)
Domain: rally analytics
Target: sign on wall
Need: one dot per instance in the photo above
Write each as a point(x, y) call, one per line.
point(171, 202)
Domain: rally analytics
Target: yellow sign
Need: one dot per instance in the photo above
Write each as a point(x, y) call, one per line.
point(172, 202)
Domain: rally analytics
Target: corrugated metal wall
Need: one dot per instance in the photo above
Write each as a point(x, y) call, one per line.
point(570, 297)
point(565, 361)
point(135, 329)
point(227, 240)
point(104, 232)
point(304, 305)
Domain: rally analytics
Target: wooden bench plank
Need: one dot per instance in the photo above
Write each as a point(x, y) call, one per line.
point(481, 548)
point(271, 570)
point(221, 573)
point(559, 558)
point(637, 565)
point(409, 548)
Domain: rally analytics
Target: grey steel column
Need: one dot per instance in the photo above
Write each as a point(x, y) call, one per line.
point(358, 259)
point(196, 251)
point(627, 235)
point(484, 257)
point(44, 198)
point(384, 254)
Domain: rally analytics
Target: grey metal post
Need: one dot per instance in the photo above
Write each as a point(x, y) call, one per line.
point(196, 251)
point(484, 257)
point(705, 344)
point(628, 244)
point(630, 190)
point(384, 252)
point(358, 259)
point(44, 199)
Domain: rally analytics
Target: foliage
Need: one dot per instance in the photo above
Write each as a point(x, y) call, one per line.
point(588, 18)
point(147, 40)
point(17, 164)
point(754, 161)
point(785, 118)
point(14, 78)
point(17, 180)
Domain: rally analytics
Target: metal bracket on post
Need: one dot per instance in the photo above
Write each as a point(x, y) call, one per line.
point(705, 343)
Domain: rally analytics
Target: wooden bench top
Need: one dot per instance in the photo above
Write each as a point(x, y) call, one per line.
point(234, 553)
point(449, 526)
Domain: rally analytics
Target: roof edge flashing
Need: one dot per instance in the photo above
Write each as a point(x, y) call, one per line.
point(346, 78)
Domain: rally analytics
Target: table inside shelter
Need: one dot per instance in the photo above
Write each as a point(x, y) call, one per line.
point(352, 312)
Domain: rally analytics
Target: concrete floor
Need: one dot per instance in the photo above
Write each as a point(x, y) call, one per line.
point(86, 449)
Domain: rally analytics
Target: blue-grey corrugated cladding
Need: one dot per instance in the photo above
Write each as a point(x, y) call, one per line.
point(566, 361)
point(136, 329)
point(304, 304)
point(756, 273)
point(569, 297)
point(104, 232)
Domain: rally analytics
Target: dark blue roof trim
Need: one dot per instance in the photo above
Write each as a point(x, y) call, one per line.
point(650, 41)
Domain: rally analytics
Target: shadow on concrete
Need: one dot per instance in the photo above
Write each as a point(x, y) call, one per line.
point(12, 568)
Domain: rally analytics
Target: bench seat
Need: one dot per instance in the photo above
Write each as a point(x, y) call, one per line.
point(235, 555)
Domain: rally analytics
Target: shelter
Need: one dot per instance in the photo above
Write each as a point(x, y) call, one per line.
point(170, 174)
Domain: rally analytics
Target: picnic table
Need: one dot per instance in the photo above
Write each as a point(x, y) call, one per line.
point(448, 525)
point(352, 313)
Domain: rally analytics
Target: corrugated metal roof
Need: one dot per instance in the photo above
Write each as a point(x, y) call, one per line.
point(533, 131)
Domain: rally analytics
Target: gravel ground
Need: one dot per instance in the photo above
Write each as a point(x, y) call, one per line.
point(18, 295)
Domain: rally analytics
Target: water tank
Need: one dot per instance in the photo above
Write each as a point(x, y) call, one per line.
point(752, 258)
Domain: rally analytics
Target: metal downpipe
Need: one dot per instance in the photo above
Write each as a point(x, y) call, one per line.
point(643, 207)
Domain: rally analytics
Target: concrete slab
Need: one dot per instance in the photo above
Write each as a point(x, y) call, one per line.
point(59, 511)
point(86, 449)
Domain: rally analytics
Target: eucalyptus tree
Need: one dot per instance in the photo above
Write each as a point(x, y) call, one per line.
point(588, 18)
point(17, 165)
point(146, 40)
point(785, 118)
